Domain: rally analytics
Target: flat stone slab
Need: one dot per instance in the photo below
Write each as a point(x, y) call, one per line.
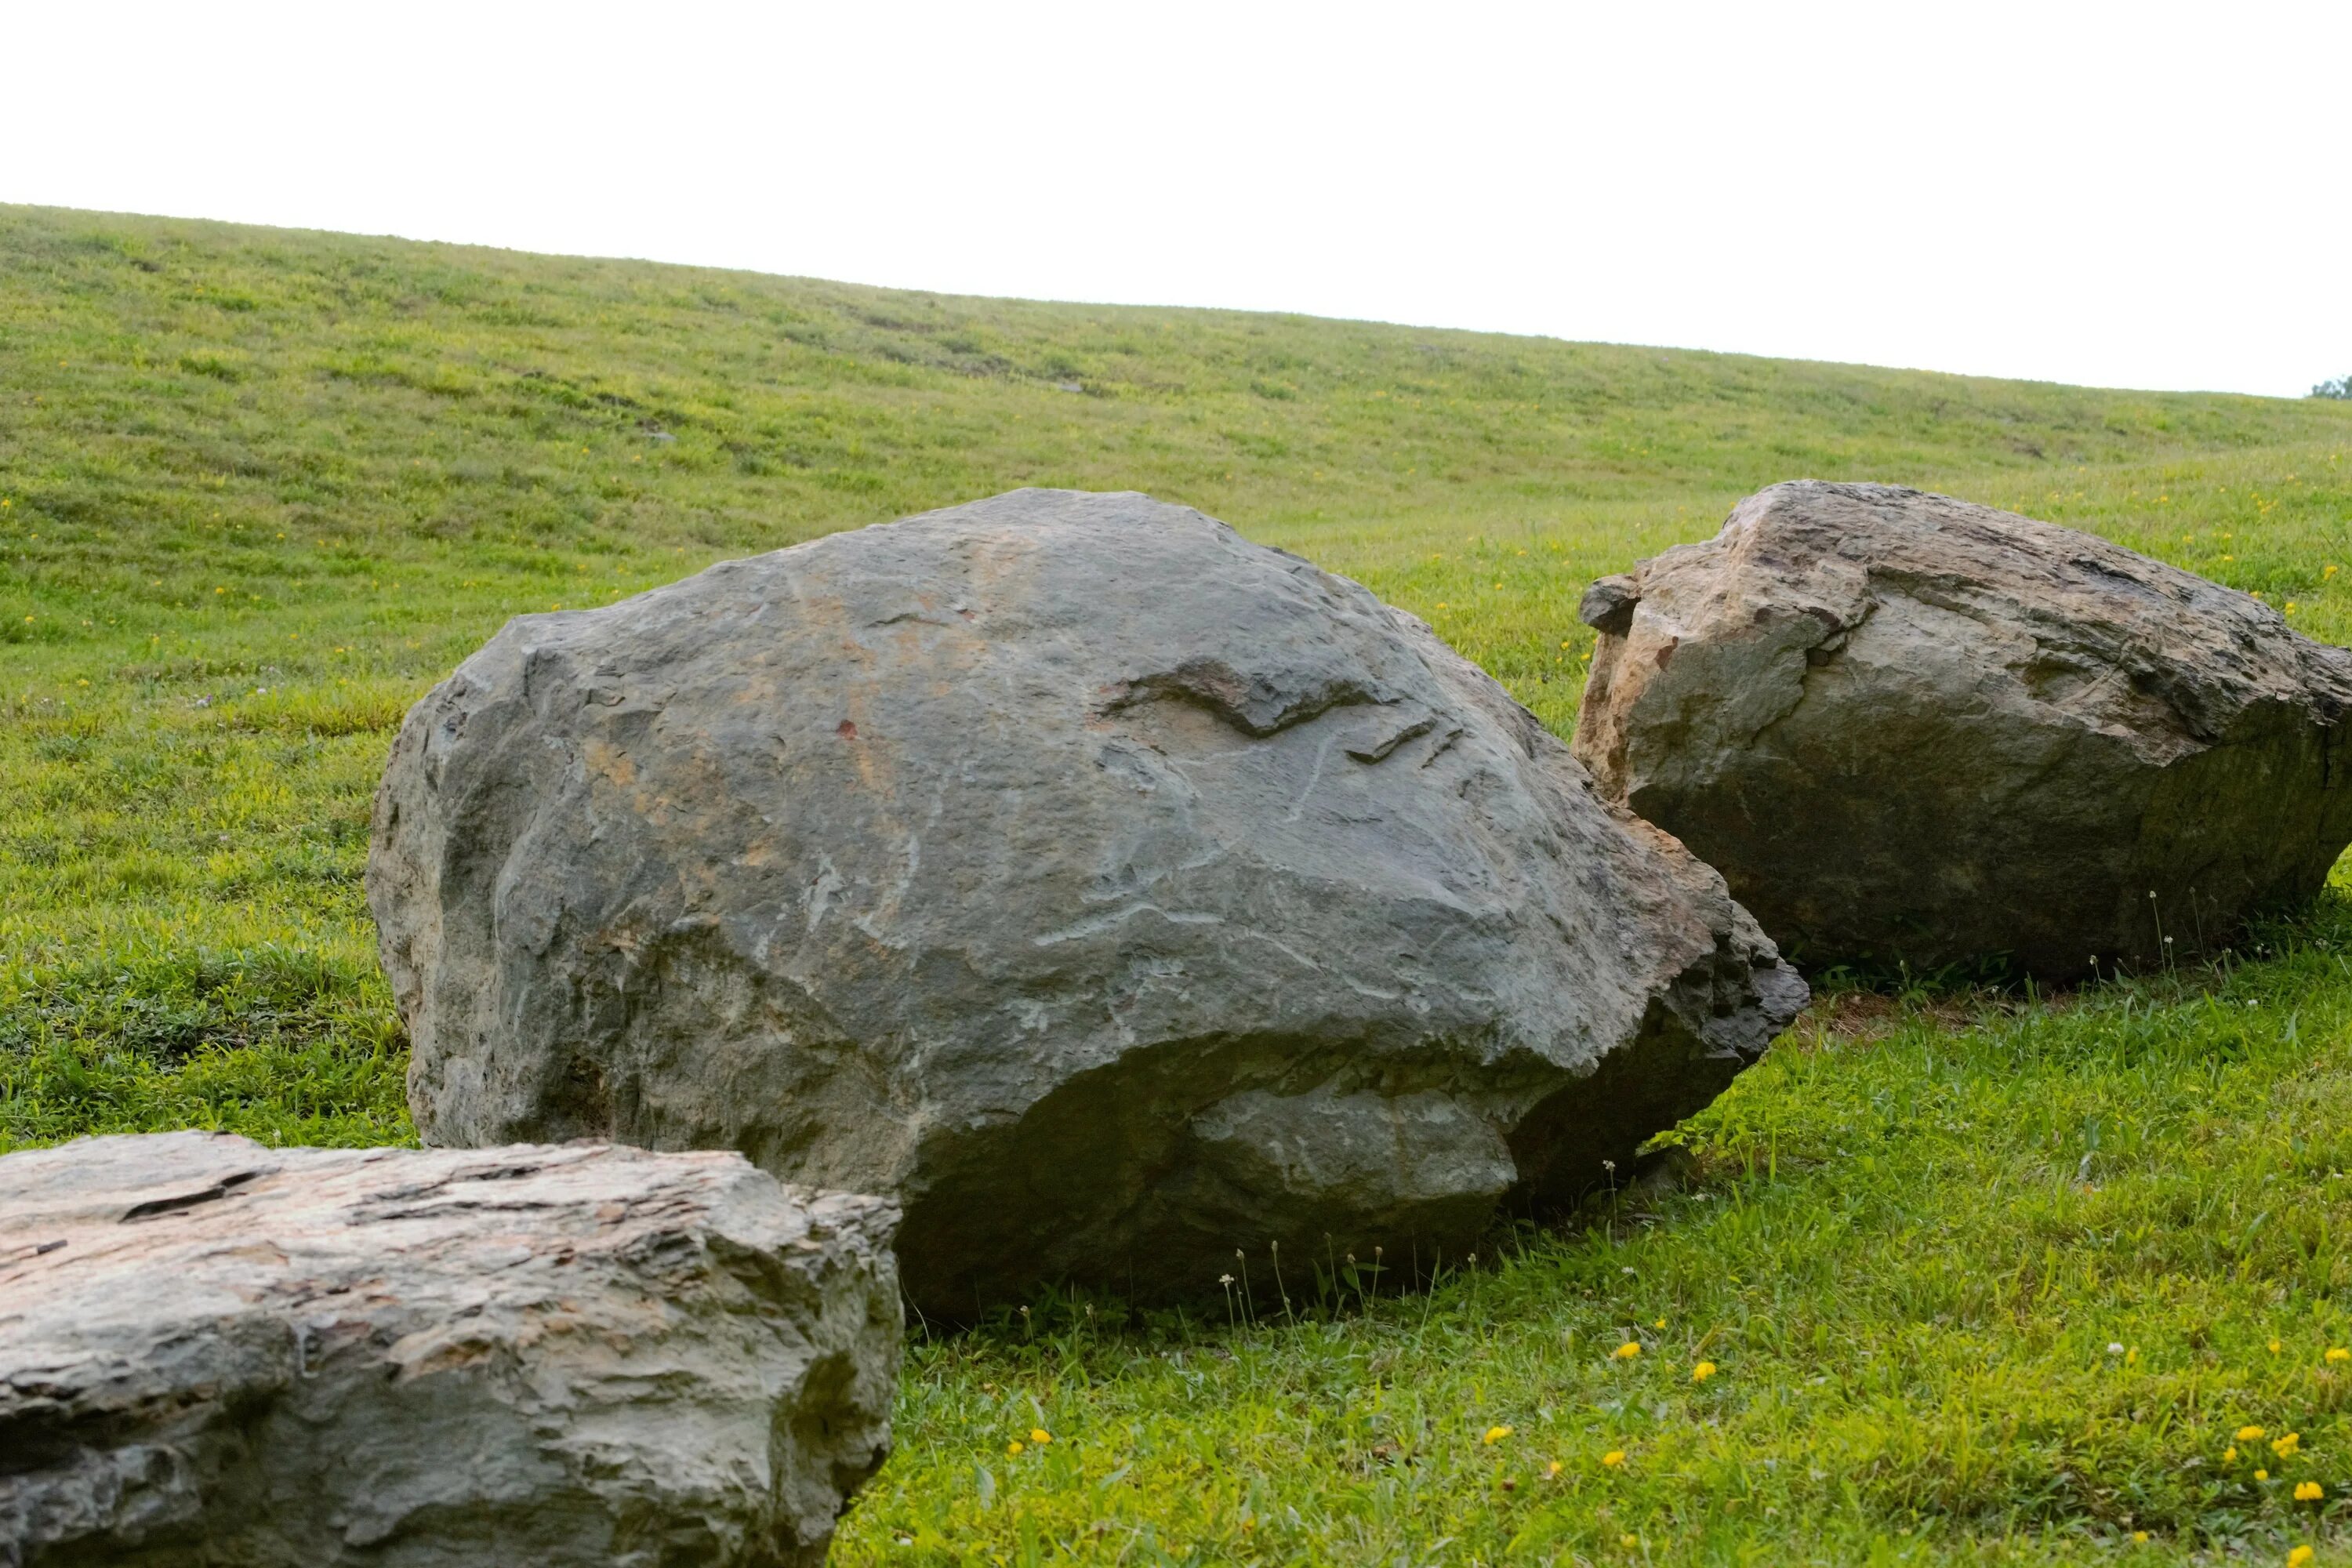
point(1911, 729)
point(217, 1353)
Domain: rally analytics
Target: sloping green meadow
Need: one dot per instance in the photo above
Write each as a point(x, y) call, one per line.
point(1975, 1279)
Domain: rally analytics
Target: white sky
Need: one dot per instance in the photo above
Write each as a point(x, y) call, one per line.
point(2144, 195)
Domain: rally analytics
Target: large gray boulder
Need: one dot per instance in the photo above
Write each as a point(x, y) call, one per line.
point(1115, 892)
point(211, 1353)
point(1907, 728)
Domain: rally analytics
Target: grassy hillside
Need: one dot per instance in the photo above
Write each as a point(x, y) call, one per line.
point(258, 490)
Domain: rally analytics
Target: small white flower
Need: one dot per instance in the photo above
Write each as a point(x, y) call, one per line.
point(2113, 1349)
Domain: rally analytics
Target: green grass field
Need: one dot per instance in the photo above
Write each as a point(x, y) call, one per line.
point(1981, 1278)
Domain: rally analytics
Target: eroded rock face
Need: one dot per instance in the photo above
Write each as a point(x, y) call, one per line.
point(211, 1353)
point(1910, 728)
point(1112, 890)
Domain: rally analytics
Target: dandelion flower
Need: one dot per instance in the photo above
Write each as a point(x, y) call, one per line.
point(1551, 1471)
point(1626, 1351)
point(2249, 1434)
point(1613, 1459)
point(1014, 1446)
point(1039, 1436)
point(2229, 1454)
point(2309, 1491)
point(1496, 1435)
point(2298, 1557)
point(1702, 1372)
point(2337, 1354)
point(2262, 1475)
point(2274, 1347)
point(2287, 1446)
point(1659, 1324)
point(2140, 1536)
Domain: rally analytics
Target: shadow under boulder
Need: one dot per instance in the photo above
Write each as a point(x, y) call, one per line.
point(1111, 891)
point(1910, 729)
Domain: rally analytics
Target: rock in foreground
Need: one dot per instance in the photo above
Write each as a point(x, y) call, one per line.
point(1114, 891)
point(1910, 728)
point(211, 1353)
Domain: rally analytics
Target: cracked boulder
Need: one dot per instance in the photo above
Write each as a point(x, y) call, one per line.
point(211, 1353)
point(1910, 729)
point(1113, 891)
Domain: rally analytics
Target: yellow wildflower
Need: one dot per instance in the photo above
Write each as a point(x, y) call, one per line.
point(1659, 1324)
point(1615, 1459)
point(2262, 1475)
point(2274, 1347)
point(2309, 1491)
point(1702, 1372)
point(1626, 1351)
point(2249, 1434)
point(2298, 1557)
point(1551, 1471)
point(1039, 1436)
point(2229, 1454)
point(1014, 1446)
point(1629, 1542)
point(2285, 1446)
point(2337, 1354)
point(2140, 1536)
point(1496, 1434)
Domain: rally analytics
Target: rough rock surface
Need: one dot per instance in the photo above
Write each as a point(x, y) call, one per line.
point(211, 1353)
point(1114, 891)
point(1906, 726)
